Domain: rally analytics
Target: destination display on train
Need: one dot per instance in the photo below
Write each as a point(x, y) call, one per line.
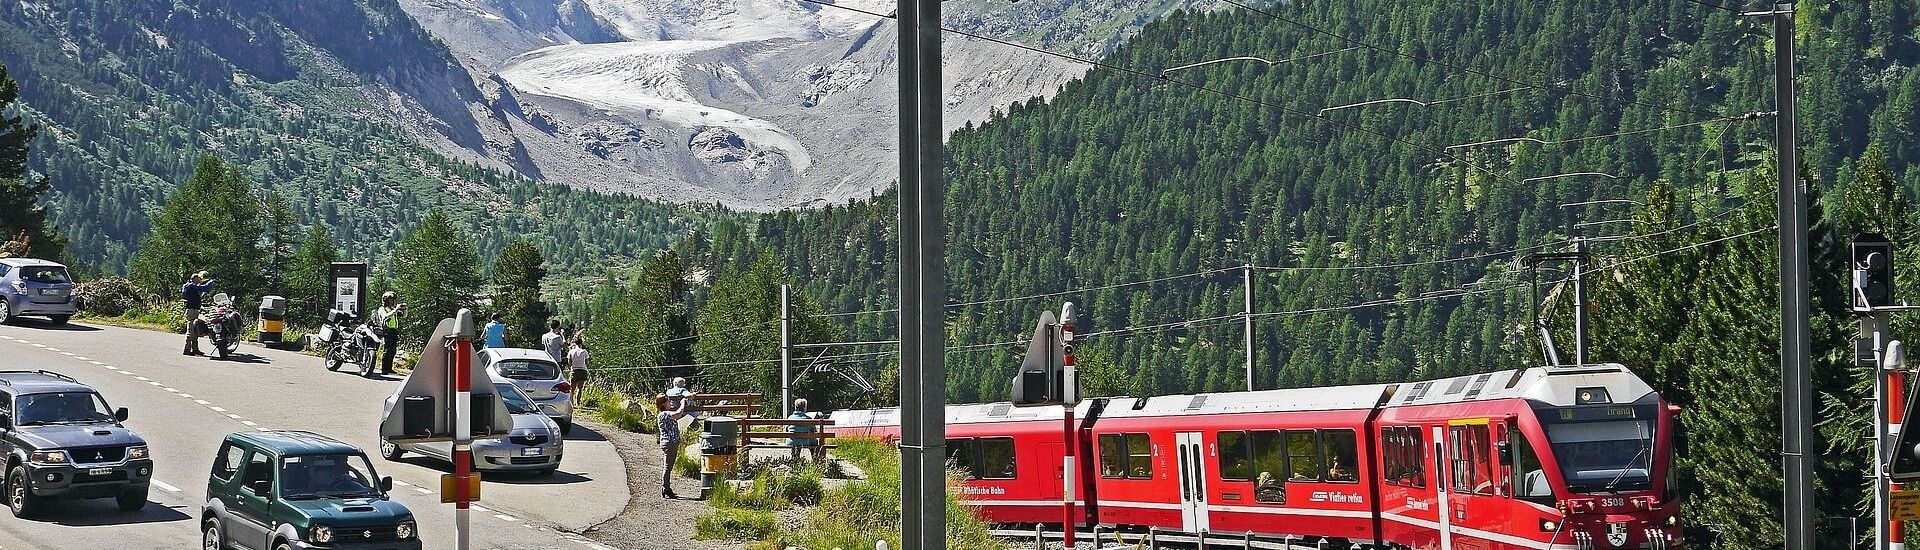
point(1582, 414)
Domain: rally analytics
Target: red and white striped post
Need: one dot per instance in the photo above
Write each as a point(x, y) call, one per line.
point(1896, 418)
point(462, 370)
point(1068, 398)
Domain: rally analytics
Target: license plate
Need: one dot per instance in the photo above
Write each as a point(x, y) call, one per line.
point(51, 292)
point(532, 451)
point(100, 471)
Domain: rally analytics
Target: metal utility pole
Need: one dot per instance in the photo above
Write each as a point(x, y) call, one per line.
point(1579, 301)
point(1069, 397)
point(923, 291)
point(1246, 318)
point(1796, 387)
point(786, 351)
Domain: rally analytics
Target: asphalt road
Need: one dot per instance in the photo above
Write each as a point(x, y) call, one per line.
point(184, 406)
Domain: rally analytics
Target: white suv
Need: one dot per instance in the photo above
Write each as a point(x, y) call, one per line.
point(535, 373)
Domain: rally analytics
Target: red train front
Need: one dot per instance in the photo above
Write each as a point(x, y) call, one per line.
point(1560, 458)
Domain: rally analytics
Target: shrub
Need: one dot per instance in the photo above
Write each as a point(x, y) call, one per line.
point(734, 524)
point(110, 297)
point(802, 487)
point(687, 466)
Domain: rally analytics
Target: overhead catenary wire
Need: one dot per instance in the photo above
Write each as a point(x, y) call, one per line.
point(1454, 66)
point(1727, 119)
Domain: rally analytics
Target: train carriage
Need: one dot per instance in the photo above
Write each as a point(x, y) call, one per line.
point(1549, 458)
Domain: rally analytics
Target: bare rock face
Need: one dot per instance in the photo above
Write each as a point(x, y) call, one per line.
point(779, 103)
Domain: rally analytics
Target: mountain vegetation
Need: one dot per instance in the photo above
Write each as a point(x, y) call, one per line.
point(23, 217)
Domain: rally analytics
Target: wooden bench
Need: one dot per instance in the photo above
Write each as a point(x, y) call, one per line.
point(747, 435)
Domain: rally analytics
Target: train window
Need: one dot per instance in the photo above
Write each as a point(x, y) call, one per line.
point(1390, 455)
point(1341, 452)
point(996, 458)
point(1269, 465)
point(1139, 457)
point(1533, 476)
point(1113, 456)
point(1416, 461)
point(1484, 459)
point(1236, 461)
point(960, 456)
point(1462, 453)
point(1303, 455)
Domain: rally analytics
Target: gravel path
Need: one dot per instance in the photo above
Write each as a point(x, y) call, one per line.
point(650, 522)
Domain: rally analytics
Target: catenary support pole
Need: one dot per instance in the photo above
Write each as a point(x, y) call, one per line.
point(786, 350)
point(1246, 318)
point(462, 360)
point(922, 199)
point(1579, 301)
point(1796, 395)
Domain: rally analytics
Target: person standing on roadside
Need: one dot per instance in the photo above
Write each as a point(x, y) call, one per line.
point(577, 358)
point(190, 296)
point(387, 318)
point(671, 409)
point(496, 332)
point(555, 342)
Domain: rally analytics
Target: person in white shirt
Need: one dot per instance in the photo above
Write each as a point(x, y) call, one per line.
point(577, 358)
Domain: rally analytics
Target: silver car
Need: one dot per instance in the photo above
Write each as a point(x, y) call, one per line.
point(535, 373)
point(534, 444)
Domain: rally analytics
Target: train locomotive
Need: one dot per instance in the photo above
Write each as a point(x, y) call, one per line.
point(1544, 458)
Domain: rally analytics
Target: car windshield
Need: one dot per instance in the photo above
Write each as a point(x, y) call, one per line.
point(75, 407)
point(327, 476)
point(1605, 455)
point(44, 274)
point(523, 369)
point(517, 403)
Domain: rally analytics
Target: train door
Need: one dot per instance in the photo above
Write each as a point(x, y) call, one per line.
point(1443, 486)
point(1050, 459)
point(1192, 453)
point(1473, 491)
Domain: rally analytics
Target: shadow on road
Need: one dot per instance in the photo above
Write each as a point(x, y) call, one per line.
point(583, 433)
point(43, 324)
point(246, 358)
point(101, 512)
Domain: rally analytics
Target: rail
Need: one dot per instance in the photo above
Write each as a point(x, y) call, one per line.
point(1130, 540)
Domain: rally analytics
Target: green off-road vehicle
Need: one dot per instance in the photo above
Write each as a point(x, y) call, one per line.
point(288, 490)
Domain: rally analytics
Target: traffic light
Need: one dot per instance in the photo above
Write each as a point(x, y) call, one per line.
point(1040, 376)
point(1872, 271)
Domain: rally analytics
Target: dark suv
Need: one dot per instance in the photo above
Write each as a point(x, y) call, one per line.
point(287, 490)
point(62, 441)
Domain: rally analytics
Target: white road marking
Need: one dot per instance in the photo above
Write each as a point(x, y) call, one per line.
point(506, 517)
point(423, 491)
point(141, 378)
point(187, 395)
point(250, 423)
point(402, 483)
point(67, 353)
point(50, 349)
point(83, 358)
point(125, 372)
point(478, 508)
point(202, 401)
point(97, 363)
point(39, 345)
point(233, 416)
point(171, 390)
point(164, 486)
point(155, 384)
point(220, 410)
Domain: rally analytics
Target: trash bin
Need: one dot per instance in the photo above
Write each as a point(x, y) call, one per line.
point(720, 438)
point(273, 315)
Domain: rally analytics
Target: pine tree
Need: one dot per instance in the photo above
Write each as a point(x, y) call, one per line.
point(21, 192)
point(517, 277)
point(663, 281)
point(436, 272)
point(211, 223)
point(309, 289)
point(280, 231)
point(740, 322)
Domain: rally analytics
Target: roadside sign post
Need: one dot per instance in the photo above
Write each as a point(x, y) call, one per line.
point(462, 345)
point(349, 286)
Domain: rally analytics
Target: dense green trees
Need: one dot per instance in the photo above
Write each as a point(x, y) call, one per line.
point(740, 321)
point(309, 287)
point(436, 272)
point(516, 293)
point(211, 223)
point(22, 213)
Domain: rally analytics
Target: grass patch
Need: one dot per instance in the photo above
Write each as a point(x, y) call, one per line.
point(858, 514)
point(688, 467)
point(734, 524)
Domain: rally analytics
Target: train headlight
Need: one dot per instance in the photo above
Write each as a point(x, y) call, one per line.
point(1549, 525)
point(1673, 520)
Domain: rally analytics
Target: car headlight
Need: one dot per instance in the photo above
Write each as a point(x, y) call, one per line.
point(49, 457)
point(136, 452)
point(321, 534)
point(404, 531)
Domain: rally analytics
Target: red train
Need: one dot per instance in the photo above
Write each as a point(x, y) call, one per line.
point(1548, 458)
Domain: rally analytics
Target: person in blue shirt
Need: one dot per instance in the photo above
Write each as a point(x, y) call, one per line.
point(496, 332)
point(191, 294)
point(811, 445)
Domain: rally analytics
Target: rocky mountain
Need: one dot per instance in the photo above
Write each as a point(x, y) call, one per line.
point(755, 104)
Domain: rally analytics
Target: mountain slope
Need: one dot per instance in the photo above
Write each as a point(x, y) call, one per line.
point(304, 95)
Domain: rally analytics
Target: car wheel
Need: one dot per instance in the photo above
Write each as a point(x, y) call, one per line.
point(6, 311)
point(211, 538)
point(60, 319)
point(390, 450)
point(283, 546)
point(566, 426)
point(132, 499)
point(20, 497)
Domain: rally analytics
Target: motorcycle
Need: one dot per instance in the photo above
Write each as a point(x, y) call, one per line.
point(348, 340)
point(222, 325)
point(370, 342)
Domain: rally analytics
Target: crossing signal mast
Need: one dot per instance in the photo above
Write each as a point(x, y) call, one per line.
point(1897, 450)
point(1047, 377)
